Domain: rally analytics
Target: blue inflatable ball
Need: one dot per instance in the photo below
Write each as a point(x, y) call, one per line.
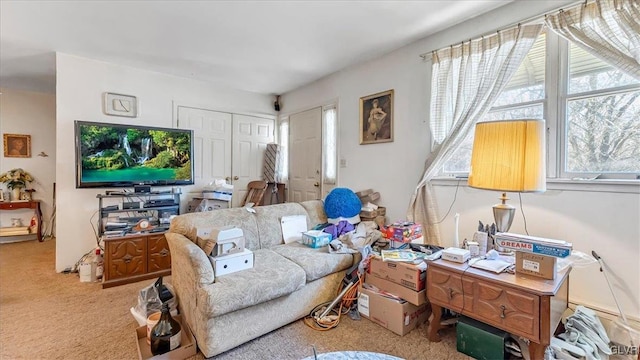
point(342, 203)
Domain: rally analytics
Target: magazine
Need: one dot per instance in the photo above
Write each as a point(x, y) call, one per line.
point(403, 255)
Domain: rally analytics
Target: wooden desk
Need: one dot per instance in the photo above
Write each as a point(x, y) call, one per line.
point(33, 204)
point(519, 304)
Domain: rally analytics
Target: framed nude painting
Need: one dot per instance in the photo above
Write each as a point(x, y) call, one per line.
point(17, 145)
point(376, 118)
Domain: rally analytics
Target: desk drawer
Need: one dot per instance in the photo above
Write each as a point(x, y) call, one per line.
point(507, 308)
point(445, 288)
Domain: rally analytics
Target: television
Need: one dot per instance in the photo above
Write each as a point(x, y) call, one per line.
point(115, 155)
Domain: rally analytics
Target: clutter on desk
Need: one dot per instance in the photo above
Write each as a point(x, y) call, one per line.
point(533, 244)
point(456, 254)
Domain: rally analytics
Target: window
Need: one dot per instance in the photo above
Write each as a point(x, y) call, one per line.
point(329, 148)
point(592, 111)
point(602, 130)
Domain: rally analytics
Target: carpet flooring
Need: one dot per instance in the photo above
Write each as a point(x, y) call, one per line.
point(48, 315)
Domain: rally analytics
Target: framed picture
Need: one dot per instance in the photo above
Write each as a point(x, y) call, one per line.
point(376, 118)
point(17, 145)
point(120, 105)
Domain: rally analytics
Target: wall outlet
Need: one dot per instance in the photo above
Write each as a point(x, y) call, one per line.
point(343, 163)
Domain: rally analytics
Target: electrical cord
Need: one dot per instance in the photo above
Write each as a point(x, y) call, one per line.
point(455, 196)
point(524, 217)
point(330, 321)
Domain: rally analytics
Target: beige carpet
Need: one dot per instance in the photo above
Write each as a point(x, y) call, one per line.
point(46, 315)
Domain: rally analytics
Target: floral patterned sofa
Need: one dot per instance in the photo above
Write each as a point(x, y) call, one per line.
point(284, 285)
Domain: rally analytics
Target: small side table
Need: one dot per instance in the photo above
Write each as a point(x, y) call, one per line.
point(33, 204)
point(519, 304)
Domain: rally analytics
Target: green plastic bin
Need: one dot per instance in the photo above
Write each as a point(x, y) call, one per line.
point(479, 340)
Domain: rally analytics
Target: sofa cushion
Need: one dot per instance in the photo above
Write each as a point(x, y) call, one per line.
point(188, 224)
point(272, 276)
point(268, 218)
point(316, 263)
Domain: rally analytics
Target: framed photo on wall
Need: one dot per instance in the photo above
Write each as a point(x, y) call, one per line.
point(376, 118)
point(17, 145)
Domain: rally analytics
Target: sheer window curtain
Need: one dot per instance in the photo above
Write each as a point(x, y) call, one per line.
point(466, 80)
point(608, 29)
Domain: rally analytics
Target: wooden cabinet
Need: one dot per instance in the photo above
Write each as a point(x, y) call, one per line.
point(133, 258)
point(519, 304)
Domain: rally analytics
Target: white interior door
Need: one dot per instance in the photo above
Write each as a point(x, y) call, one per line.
point(250, 138)
point(305, 155)
point(212, 143)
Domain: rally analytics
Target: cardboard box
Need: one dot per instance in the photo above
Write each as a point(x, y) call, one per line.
point(316, 238)
point(186, 349)
point(405, 274)
point(543, 266)
point(398, 317)
point(403, 231)
point(414, 297)
point(227, 264)
point(532, 244)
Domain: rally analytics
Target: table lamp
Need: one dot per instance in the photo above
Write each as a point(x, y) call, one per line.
point(508, 155)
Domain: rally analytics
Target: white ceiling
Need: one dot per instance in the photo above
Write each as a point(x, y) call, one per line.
point(268, 47)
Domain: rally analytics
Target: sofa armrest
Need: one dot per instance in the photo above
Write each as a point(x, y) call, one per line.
point(189, 263)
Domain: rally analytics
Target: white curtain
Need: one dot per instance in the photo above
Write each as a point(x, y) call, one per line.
point(608, 29)
point(466, 80)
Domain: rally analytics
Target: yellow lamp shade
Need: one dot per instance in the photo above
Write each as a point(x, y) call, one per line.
point(509, 155)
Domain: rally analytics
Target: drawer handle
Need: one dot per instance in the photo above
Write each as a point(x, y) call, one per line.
point(163, 252)
point(127, 258)
point(450, 293)
point(502, 314)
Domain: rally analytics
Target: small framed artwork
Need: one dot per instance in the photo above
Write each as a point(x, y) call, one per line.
point(376, 118)
point(120, 105)
point(17, 145)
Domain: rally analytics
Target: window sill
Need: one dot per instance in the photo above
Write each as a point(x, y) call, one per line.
point(587, 185)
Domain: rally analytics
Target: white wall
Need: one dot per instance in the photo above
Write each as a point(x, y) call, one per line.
point(30, 113)
point(80, 86)
point(605, 222)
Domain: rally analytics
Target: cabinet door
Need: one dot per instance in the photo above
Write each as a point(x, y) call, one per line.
point(125, 257)
point(158, 253)
point(445, 288)
point(508, 308)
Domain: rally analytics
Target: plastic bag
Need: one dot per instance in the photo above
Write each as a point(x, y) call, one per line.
point(151, 298)
point(576, 259)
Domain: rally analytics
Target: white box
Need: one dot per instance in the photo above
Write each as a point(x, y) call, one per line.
point(227, 264)
point(456, 254)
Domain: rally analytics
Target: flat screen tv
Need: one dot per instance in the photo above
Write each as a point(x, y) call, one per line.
point(114, 155)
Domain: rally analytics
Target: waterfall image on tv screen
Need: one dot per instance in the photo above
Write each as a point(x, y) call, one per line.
point(122, 155)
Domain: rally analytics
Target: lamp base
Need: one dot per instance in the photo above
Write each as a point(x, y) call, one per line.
point(503, 215)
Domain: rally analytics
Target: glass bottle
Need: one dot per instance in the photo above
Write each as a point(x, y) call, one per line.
point(165, 335)
point(99, 265)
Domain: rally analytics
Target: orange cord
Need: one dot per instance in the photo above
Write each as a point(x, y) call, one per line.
point(347, 301)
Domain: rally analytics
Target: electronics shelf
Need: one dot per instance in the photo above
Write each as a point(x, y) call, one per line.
point(132, 226)
point(126, 211)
